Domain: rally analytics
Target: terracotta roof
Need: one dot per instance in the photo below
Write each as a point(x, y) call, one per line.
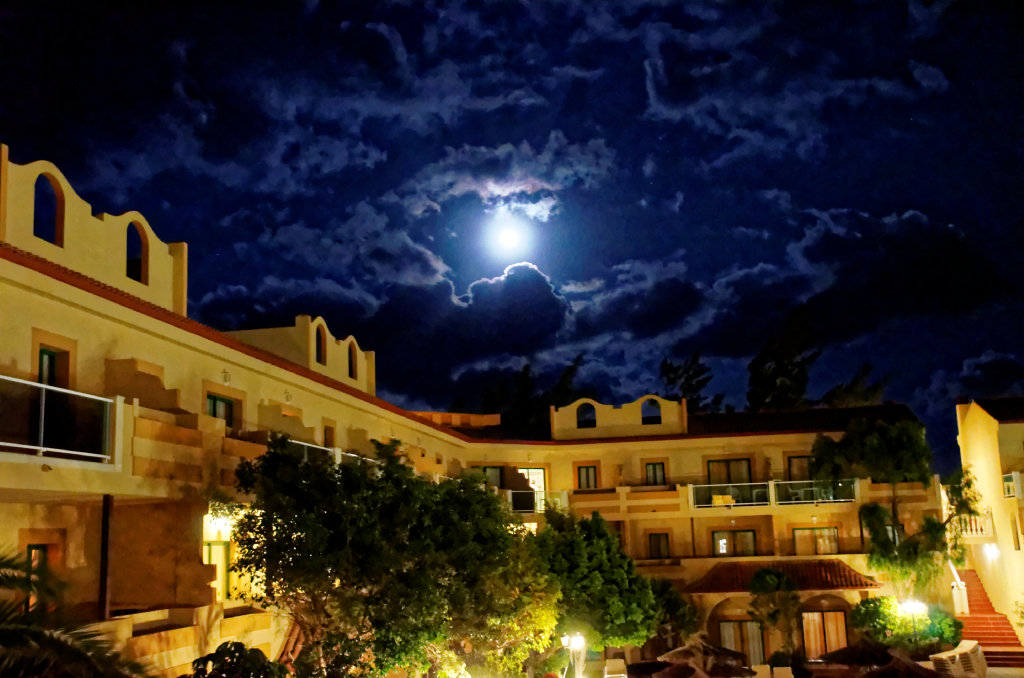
point(808, 575)
point(797, 421)
point(1004, 409)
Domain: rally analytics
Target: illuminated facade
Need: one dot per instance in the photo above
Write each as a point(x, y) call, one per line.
point(122, 417)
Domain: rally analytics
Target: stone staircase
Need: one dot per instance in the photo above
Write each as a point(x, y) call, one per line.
point(992, 630)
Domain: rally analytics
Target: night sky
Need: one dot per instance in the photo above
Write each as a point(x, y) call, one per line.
point(468, 186)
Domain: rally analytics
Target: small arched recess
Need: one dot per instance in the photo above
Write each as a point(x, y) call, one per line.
point(48, 211)
point(353, 370)
point(586, 416)
point(321, 345)
point(137, 253)
point(650, 412)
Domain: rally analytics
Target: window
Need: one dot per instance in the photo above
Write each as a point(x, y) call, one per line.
point(586, 416)
point(221, 408)
point(534, 476)
point(219, 553)
point(816, 541)
point(493, 475)
point(1016, 535)
point(656, 473)
point(321, 346)
point(728, 543)
point(137, 254)
point(726, 472)
point(328, 436)
point(823, 632)
point(586, 477)
point(352, 372)
point(743, 636)
point(48, 218)
point(37, 562)
point(47, 367)
point(657, 542)
point(650, 412)
point(799, 468)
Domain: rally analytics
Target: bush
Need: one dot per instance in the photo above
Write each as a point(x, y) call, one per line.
point(779, 658)
point(884, 620)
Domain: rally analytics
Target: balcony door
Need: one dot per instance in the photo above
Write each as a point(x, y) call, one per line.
point(729, 472)
point(743, 636)
point(823, 632)
point(531, 502)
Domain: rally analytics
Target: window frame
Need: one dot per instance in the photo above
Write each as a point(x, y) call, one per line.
point(728, 470)
point(214, 398)
point(591, 471)
point(789, 467)
point(824, 644)
point(586, 423)
point(657, 536)
point(501, 476)
point(812, 530)
point(732, 543)
point(745, 647)
point(647, 473)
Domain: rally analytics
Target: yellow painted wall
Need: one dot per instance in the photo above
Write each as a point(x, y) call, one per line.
point(618, 421)
point(95, 246)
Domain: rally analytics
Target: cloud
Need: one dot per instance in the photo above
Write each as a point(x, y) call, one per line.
point(505, 171)
point(929, 77)
point(573, 287)
point(365, 246)
point(992, 374)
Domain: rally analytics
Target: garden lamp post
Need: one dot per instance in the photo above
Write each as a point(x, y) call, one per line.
point(577, 647)
point(914, 608)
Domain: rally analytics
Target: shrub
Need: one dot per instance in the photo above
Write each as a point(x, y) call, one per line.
point(884, 620)
point(779, 658)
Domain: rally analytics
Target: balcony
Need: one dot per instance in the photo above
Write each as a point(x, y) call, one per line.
point(815, 491)
point(53, 422)
point(528, 501)
point(733, 494)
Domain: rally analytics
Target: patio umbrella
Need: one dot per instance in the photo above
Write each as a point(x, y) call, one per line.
point(687, 670)
point(865, 652)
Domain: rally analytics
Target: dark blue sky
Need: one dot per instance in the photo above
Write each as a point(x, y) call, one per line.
point(682, 174)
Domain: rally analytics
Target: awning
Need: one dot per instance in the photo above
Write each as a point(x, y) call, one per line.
point(808, 575)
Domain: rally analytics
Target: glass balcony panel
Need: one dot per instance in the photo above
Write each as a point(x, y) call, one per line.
point(64, 424)
point(733, 494)
point(528, 501)
point(814, 491)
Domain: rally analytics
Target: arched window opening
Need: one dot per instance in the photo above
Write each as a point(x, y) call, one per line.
point(352, 372)
point(321, 345)
point(48, 216)
point(586, 416)
point(137, 254)
point(650, 412)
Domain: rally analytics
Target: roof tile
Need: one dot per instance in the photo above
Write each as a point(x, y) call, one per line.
point(808, 575)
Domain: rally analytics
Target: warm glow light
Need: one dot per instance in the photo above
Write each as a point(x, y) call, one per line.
point(914, 607)
point(578, 642)
point(992, 551)
point(221, 524)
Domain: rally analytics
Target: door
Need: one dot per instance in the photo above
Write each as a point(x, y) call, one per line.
point(743, 636)
point(219, 553)
point(823, 632)
point(527, 502)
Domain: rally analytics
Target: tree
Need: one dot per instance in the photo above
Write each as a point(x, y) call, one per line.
point(235, 660)
point(779, 372)
point(679, 617)
point(775, 603)
point(374, 564)
point(40, 637)
point(889, 453)
point(603, 597)
point(687, 381)
point(884, 621)
point(914, 562)
point(525, 411)
point(857, 392)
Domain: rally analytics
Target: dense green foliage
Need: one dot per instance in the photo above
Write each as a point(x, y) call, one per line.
point(376, 565)
point(680, 619)
point(857, 392)
point(775, 603)
point(603, 597)
point(43, 638)
point(888, 453)
point(235, 660)
point(884, 620)
point(687, 381)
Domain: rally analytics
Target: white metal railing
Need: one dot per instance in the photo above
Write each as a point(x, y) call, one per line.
point(53, 422)
point(815, 491)
point(335, 453)
point(731, 494)
point(977, 526)
point(531, 501)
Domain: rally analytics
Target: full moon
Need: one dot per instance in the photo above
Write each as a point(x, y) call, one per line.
point(508, 238)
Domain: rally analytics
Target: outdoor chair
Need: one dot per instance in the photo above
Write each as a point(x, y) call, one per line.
point(966, 660)
point(615, 668)
point(762, 671)
point(782, 672)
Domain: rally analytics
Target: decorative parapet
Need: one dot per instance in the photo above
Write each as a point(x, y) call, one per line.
point(650, 415)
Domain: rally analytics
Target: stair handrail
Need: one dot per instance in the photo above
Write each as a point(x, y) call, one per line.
point(961, 604)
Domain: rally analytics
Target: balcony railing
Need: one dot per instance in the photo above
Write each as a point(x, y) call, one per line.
point(977, 526)
point(53, 422)
point(529, 501)
point(311, 451)
point(733, 494)
point(814, 491)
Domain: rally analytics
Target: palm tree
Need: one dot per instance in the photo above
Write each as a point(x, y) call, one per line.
point(38, 637)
